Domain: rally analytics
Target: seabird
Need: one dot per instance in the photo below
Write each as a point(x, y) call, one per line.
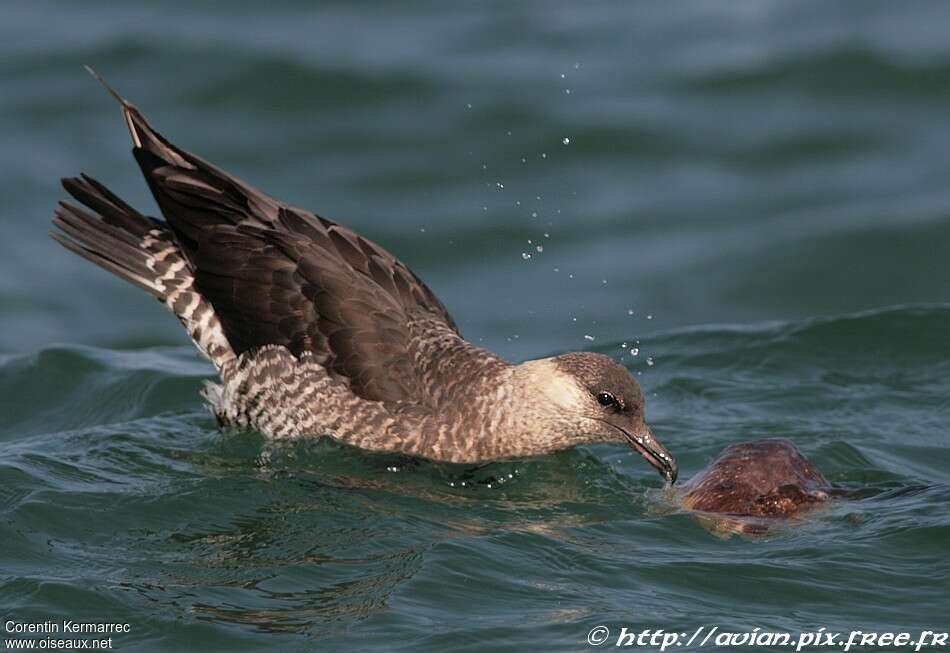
point(315, 330)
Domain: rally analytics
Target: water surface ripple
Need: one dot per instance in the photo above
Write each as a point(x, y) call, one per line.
point(124, 499)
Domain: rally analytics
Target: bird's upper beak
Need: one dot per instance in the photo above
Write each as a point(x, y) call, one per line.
point(655, 453)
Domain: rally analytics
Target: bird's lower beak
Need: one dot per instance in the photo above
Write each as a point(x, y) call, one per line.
point(655, 453)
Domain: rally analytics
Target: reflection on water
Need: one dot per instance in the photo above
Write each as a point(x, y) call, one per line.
point(331, 533)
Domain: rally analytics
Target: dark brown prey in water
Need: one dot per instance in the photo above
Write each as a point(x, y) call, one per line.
point(315, 330)
point(763, 480)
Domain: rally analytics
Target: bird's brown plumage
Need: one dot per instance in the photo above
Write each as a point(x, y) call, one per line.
point(279, 275)
point(316, 330)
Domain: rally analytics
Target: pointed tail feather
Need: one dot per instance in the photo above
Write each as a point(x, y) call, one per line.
point(192, 193)
point(112, 239)
point(143, 136)
point(144, 252)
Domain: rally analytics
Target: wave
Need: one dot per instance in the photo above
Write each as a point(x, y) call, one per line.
point(894, 335)
point(67, 387)
point(838, 71)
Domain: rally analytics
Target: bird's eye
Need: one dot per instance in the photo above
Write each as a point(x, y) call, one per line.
point(606, 399)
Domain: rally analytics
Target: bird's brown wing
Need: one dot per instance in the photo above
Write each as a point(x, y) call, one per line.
point(278, 275)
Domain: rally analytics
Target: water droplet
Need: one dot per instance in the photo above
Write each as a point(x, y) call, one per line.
point(468, 106)
point(422, 230)
point(629, 311)
point(499, 184)
point(565, 141)
point(544, 155)
point(650, 361)
point(577, 65)
point(603, 281)
point(623, 345)
point(509, 133)
point(525, 255)
point(524, 160)
point(635, 351)
point(534, 214)
point(588, 337)
point(649, 317)
point(540, 248)
point(567, 91)
point(563, 75)
point(547, 235)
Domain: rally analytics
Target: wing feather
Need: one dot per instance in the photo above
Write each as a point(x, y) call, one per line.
point(280, 275)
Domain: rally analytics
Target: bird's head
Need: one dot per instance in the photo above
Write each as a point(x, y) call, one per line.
point(596, 400)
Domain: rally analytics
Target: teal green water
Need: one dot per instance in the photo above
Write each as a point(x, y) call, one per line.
point(753, 197)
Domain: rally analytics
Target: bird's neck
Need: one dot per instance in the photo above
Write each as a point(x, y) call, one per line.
point(498, 412)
